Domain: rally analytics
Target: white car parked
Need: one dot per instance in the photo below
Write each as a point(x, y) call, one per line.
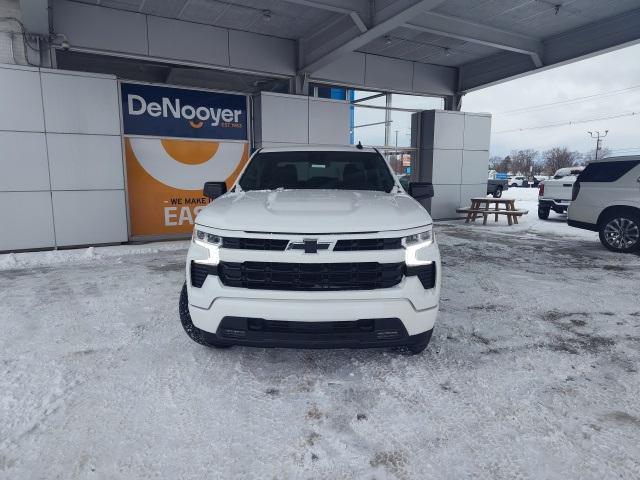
point(606, 199)
point(518, 181)
point(313, 247)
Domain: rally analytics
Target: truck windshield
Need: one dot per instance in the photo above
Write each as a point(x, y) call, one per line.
point(314, 170)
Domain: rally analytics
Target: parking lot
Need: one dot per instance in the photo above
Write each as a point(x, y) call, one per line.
point(532, 372)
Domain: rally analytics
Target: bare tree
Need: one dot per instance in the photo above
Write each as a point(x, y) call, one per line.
point(505, 165)
point(523, 161)
point(591, 154)
point(559, 157)
point(494, 162)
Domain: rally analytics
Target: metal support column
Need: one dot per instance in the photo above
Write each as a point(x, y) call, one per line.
point(387, 120)
point(453, 102)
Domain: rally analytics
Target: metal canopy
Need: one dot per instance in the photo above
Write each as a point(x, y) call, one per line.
point(483, 41)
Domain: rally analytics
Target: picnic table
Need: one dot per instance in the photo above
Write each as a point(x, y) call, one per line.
point(486, 206)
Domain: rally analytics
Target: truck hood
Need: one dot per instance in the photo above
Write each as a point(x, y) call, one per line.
point(313, 211)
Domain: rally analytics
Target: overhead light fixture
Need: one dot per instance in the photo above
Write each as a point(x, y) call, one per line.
point(266, 15)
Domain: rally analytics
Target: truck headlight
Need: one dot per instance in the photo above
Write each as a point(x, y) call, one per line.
point(413, 243)
point(209, 241)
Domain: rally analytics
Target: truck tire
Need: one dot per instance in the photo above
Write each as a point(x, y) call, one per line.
point(497, 193)
point(543, 213)
point(192, 331)
point(620, 232)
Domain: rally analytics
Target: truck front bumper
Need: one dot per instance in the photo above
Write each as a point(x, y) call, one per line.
point(365, 333)
point(381, 316)
point(325, 311)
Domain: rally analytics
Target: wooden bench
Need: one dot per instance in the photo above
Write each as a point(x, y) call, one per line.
point(472, 214)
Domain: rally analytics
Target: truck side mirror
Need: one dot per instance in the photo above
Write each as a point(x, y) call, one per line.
point(421, 190)
point(214, 189)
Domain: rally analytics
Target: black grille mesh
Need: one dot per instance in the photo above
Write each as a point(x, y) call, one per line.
point(368, 244)
point(310, 276)
point(240, 243)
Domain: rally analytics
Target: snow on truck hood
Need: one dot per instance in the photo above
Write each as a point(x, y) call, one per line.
point(313, 211)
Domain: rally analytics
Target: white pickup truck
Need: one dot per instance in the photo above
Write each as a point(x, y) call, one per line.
point(555, 194)
point(313, 247)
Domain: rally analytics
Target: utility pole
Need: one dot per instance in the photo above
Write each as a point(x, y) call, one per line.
point(598, 136)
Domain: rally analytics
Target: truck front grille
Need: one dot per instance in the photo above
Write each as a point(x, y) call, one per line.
point(277, 244)
point(310, 276)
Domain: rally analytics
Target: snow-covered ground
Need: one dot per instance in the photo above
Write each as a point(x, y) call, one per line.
point(532, 372)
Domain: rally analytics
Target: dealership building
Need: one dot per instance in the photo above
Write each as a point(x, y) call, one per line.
point(113, 113)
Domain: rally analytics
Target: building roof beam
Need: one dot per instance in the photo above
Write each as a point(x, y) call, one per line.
point(344, 38)
point(452, 27)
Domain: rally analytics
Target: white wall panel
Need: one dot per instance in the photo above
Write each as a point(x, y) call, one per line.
point(475, 166)
point(453, 157)
point(477, 132)
point(448, 130)
point(285, 118)
point(90, 217)
point(26, 220)
point(447, 167)
point(20, 100)
point(91, 26)
point(328, 122)
point(445, 201)
point(262, 53)
point(388, 73)
point(85, 162)
point(23, 161)
point(188, 41)
point(467, 192)
point(80, 104)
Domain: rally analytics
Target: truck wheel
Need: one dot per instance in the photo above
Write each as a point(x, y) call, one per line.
point(497, 193)
point(418, 348)
point(194, 332)
point(543, 213)
point(620, 232)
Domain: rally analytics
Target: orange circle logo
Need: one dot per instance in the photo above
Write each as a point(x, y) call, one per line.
point(190, 152)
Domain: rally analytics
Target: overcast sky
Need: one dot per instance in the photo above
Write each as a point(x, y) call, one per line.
point(601, 77)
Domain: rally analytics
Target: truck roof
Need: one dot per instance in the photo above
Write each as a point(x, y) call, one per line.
point(616, 159)
point(319, 148)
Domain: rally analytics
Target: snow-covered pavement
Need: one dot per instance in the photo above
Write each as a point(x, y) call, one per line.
point(532, 372)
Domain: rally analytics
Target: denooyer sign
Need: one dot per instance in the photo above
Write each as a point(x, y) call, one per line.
point(175, 140)
point(178, 112)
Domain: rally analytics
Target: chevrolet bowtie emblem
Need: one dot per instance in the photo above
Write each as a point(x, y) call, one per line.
point(308, 245)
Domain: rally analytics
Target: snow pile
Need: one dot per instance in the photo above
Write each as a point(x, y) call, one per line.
point(12, 261)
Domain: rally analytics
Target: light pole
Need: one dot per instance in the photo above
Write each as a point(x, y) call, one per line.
point(597, 135)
